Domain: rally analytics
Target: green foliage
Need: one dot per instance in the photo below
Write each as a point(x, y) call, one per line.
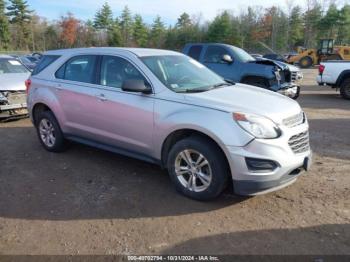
point(140, 32)
point(220, 30)
point(4, 27)
point(20, 15)
point(344, 25)
point(296, 26)
point(157, 33)
point(104, 17)
point(252, 29)
point(115, 35)
point(126, 25)
point(184, 21)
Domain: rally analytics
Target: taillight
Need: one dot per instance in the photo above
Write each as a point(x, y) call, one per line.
point(28, 83)
point(321, 69)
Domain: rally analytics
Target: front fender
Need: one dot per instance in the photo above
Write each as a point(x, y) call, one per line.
point(216, 124)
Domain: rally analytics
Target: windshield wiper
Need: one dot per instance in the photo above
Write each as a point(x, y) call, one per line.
point(201, 89)
point(195, 90)
point(221, 85)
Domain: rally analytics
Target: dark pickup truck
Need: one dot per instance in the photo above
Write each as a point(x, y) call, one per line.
point(235, 64)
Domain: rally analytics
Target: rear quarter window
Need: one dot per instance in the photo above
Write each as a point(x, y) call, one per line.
point(80, 68)
point(44, 62)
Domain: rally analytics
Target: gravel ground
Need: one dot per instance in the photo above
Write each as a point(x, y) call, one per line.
point(87, 201)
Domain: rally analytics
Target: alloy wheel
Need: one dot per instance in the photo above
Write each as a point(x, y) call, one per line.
point(47, 132)
point(193, 170)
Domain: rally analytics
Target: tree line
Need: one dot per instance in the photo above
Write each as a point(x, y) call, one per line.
point(282, 29)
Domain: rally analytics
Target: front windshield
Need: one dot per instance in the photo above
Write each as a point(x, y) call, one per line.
point(8, 66)
point(242, 55)
point(182, 74)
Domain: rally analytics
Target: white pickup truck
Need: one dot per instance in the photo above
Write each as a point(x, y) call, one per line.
point(337, 75)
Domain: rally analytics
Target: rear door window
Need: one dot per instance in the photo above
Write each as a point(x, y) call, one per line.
point(214, 54)
point(195, 51)
point(80, 69)
point(44, 62)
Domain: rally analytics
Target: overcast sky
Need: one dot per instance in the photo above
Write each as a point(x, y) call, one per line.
point(169, 10)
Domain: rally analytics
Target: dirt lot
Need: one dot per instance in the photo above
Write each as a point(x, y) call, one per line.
point(87, 201)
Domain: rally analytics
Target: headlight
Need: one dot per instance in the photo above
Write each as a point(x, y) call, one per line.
point(300, 75)
point(258, 126)
point(278, 75)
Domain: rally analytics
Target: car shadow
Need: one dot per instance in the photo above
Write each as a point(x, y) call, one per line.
point(85, 183)
point(320, 240)
point(327, 142)
point(322, 98)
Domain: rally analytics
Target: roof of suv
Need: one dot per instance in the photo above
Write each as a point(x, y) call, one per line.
point(93, 50)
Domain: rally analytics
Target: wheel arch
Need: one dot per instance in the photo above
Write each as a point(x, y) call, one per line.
point(344, 75)
point(38, 108)
point(182, 133)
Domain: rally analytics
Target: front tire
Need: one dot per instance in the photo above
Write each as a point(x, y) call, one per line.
point(197, 168)
point(345, 89)
point(49, 132)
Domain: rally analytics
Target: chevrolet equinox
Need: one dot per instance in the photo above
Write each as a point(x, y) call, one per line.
point(166, 108)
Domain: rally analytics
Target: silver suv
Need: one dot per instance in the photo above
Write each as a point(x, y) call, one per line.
point(166, 108)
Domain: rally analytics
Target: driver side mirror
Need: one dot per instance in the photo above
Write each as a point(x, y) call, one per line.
point(227, 59)
point(136, 85)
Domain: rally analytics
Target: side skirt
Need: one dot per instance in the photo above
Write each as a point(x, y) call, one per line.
point(113, 149)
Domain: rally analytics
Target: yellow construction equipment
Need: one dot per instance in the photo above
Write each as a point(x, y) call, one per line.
point(327, 51)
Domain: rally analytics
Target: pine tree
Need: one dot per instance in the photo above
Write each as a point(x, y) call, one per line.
point(126, 26)
point(184, 21)
point(157, 36)
point(296, 27)
point(20, 15)
point(4, 27)
point(114, 35)
point(344, 28)
point(104, 17)
point(140, 32)
point(220, 30)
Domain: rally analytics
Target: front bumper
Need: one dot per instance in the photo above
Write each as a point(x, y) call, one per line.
point(290, 91)
point(13, 104)
point(13, 111)
point(289, 164)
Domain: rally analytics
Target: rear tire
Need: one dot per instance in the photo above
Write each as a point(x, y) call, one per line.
point(49, 132)
point(204, 180)
point(345, 89)
point(305, 62)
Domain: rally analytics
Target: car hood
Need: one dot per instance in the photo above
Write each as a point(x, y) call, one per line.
point(265, 61)
point(13, 81)
point(293, 68)
point(247, 99)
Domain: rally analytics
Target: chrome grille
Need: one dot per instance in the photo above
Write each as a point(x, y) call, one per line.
point(294, 120)
point(294, 76)
point(300, 143)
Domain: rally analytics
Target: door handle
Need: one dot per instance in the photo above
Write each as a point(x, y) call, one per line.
point(101, 97)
